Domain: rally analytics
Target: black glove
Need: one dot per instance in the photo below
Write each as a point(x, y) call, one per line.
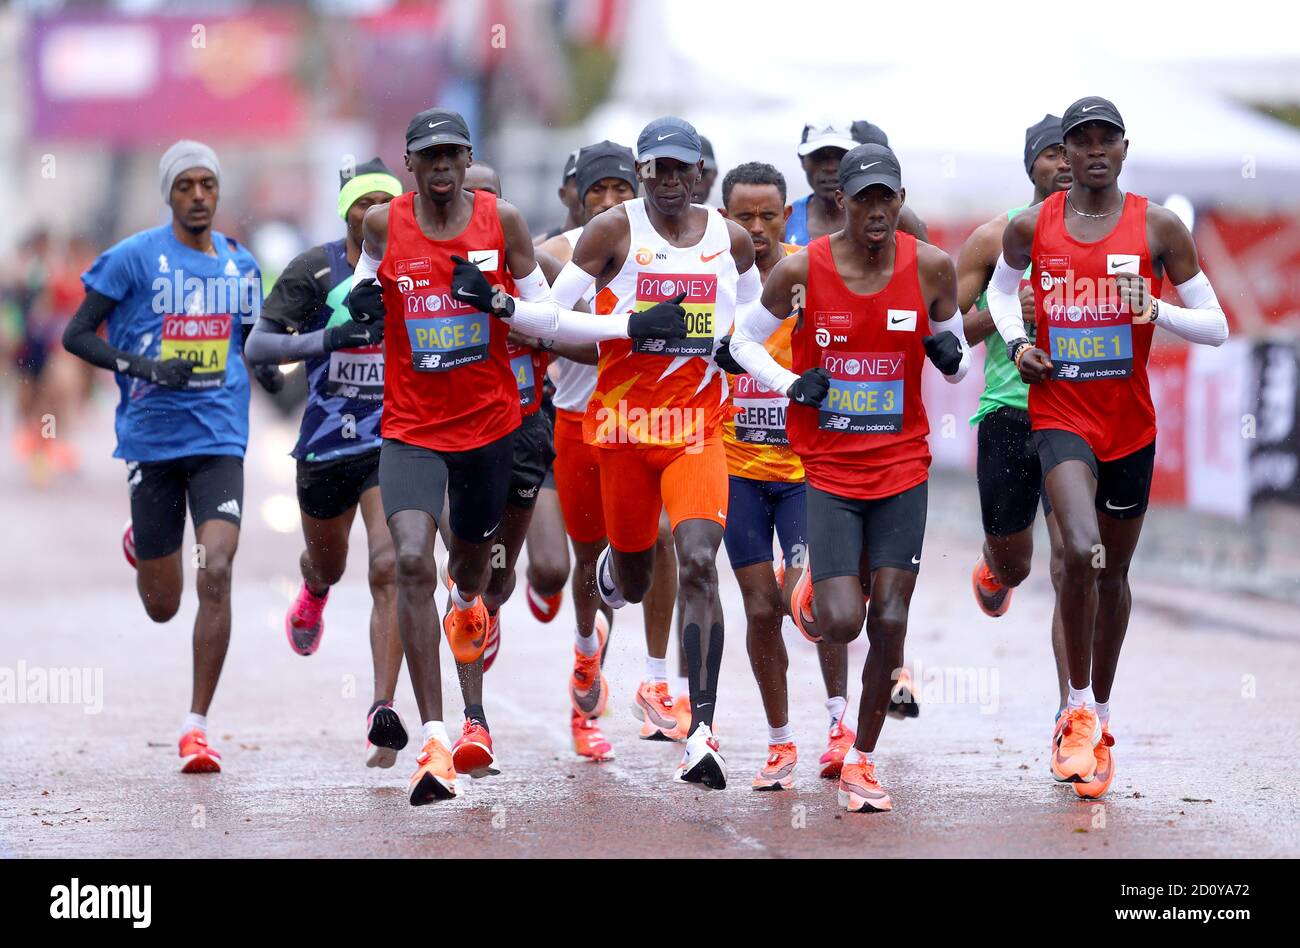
point(366, 301)
point(169, 373)
point(665, 320)
point(810, 388)
point(352, 335)
point(725, 360)
point(469, 285)
point(269, 377)
point(944, 351)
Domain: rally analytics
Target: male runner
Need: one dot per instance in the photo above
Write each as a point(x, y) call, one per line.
point(175, 298)
point(607, 177)
point(451, 396)
point(1100, 259)
point(865, 296)
point(821, 149)
point(304, 319)
point(767, 495)
point(656, 413)
point(1009, 475)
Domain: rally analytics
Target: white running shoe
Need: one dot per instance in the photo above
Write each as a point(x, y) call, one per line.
point(702, 763)
point(609, 593)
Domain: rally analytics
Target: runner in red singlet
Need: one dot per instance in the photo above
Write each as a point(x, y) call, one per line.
point(872, 304)
point(1100, 260)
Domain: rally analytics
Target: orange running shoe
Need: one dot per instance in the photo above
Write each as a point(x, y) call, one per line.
point(588, 689)
point(860, 792)
point(466, 631)
point(472, 752)
point(493, 644)
point(991, 596)
point(682, 712)
point(1105, 772)
point(837, 745)
point(802, 603)
point(777, 772)
point(196, 756)
point(434, 778)
point(1077, 735)
point(544, 608)
point(588, 741)
point(653, 707)
point(904, 697)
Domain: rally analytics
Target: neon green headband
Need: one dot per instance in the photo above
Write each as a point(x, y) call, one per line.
point(364, 184)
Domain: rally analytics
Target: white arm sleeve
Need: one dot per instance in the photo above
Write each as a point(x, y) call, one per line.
point(582, 328)
point(749, 287)
point(572, 282)
point(955, 325)
point(754, 324)
point(1202, 321)
point(535, 311)
point(1003, 297)
point(367, 267)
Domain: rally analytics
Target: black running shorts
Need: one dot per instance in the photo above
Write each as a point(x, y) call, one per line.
point(1123, 485)
point(329, 489)
point(889, 530)
point(476, 484)
point(533, 453)
point(1008, 472)
point(212, 483)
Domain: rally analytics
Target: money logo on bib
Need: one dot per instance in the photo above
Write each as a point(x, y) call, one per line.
point(701, 291)
point(203, 339)
point(865, 394)
point(444, 332)
point(1089, 338)
point(760, 414)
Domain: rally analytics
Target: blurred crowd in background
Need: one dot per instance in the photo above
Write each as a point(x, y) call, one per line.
point(288, 92)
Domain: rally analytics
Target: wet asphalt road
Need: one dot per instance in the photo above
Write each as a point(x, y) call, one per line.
point(1205, 716)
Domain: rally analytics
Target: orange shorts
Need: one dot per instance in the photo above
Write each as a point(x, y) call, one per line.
point(577, 479)
point(636, 483)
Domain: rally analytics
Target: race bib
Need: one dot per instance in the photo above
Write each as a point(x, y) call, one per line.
point(700, 304)
point(356, 373)
point(445, 333)
point(522, 367)
point(201, 339)
point(760, 414)
point(1089, 341)
point(866, 392)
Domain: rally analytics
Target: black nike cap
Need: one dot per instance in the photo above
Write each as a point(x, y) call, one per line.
point(605, 160)
point(570, 167)
point(669, 137)
point(1044, 133)
point(437, 127)
point(1091, 108)
point(867, 165)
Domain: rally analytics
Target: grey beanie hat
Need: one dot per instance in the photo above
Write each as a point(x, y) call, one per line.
point(181, 157)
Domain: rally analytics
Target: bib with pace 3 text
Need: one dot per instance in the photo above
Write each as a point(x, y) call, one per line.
point(865, 394)
point(522, 368)
point(203, 339)
point(445, 333)
point(353, 373)
point(760, 414)
point(700, 304)
point(1089, 337)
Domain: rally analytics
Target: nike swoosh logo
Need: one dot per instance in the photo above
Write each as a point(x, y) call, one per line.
point(1110, 506)
point(865, 167)
point(900, 319)
point(623, 168)
point(916, 561)
point(712, 256)
point(436, 124)
point(461, 293)
point(669, 135)
point(492, 531)
point(1089, 108)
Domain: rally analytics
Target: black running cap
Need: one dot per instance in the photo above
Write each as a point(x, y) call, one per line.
point(867, 165)
point(437, 127)
point(669, 137)
point(864, 133)
point(1092, 108)
point(1044, 133)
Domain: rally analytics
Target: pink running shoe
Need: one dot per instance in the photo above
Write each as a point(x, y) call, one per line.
point(304, 626)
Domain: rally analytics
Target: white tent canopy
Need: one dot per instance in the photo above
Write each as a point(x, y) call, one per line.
point(955, 115)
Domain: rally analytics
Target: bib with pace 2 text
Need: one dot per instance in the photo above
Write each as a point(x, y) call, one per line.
point(760, 414)
point(522, 368)
point(865, 394)
point(445, 332)
point(202, 339)
point(700, 304)
point(353, 373)
point(1089, 336)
